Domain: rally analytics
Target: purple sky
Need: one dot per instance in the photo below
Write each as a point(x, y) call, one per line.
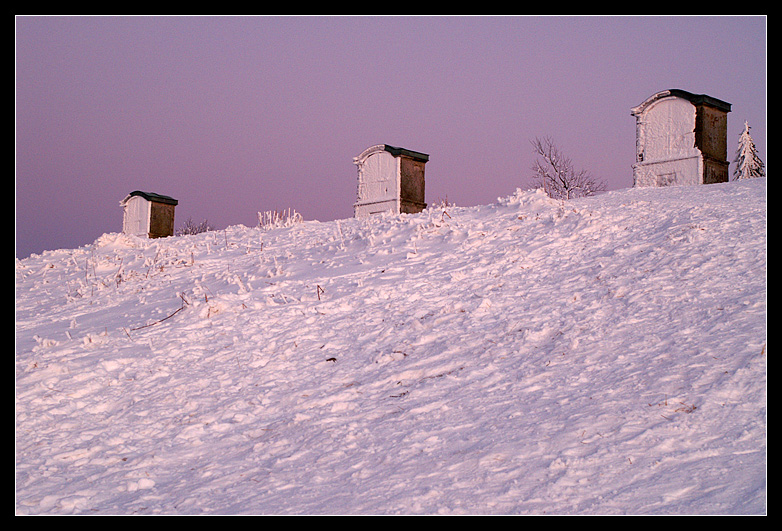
point(236, 115)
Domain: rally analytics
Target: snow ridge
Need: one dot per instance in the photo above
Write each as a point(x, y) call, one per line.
point(605, 355)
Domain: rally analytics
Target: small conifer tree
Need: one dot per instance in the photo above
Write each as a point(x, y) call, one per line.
point(748, 163)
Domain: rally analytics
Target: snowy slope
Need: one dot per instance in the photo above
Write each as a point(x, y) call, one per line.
point(601, 356)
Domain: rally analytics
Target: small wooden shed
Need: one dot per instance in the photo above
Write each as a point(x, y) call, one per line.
point(390, 179)
point(148, 215)
point(681, 138)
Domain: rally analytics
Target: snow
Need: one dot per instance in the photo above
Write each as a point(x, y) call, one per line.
point(605, 355)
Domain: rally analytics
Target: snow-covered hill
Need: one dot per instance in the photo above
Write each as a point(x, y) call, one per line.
point(601, 356)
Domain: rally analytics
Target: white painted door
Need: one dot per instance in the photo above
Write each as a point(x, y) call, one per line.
point(136, 218)
point(379, 178)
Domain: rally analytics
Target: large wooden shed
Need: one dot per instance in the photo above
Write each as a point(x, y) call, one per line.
point(681, 138)
point(390, 179)
point(148, 214)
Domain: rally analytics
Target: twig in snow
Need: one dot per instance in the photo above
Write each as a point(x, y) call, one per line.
point(160, 321)
point(184, 302)
point(687, 408)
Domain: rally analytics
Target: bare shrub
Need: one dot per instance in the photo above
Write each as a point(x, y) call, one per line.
point(190, 227)
point(557, 177)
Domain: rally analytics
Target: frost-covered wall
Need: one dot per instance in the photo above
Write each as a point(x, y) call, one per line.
point(390, 179)
point(681, 139)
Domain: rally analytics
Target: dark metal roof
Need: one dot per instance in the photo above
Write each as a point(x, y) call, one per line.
point(695, 99)
point(701, 99)
point(397, 151)
point(156, 198)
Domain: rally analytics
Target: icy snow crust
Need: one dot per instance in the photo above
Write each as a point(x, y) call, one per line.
point(601, 356)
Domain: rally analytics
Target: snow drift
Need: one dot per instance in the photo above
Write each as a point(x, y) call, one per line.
point(600, 356)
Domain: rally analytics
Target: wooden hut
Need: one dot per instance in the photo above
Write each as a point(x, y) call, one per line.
point(681, 138)
point(390, 179)
point(148, 215)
